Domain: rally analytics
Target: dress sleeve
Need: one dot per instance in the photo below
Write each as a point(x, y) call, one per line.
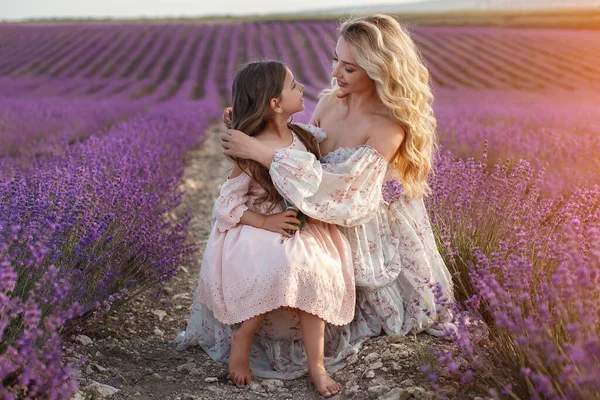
point(346, 194)
point(231, 203)
point(318, 133)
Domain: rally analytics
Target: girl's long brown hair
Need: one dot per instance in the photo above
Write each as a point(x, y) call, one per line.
point(255, 84)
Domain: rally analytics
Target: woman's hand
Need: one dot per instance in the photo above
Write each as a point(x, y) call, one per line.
point(237, 144)
point(227, 117)
point(281, 221)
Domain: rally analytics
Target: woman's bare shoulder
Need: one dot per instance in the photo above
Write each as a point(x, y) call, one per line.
point(327, 99)
point(386, 135)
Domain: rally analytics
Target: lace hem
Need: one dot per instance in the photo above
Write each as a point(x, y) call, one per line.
point(306, 291)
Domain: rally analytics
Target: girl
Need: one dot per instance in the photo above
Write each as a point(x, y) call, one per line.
point(247, 270)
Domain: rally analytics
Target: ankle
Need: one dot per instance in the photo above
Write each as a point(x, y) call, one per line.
point(316, 367)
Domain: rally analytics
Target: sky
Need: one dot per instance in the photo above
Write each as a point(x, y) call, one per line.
point(22, 9)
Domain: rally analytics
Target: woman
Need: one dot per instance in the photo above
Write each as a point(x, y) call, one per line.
point(379, 126)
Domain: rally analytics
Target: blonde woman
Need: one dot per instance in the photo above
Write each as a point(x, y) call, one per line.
point(378, 125)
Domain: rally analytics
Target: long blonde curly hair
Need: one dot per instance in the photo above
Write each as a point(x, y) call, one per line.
point(383, 47)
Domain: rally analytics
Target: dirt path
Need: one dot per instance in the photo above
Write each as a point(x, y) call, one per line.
point(135, 354)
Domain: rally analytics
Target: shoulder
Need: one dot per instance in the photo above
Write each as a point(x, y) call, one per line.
point(268, 140)
point(326, 100)
point(385, 135)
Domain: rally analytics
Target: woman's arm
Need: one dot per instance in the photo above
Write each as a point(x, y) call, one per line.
point(347, 193)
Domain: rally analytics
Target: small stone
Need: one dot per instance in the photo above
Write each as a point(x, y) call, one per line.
point(186, 367)
point(156, 375)
point(272, 384)
point(375, 365)
point(159, 313)
point(370, 375)
point(276, 382)
point(196, 371)
point(353, 390)
point(448, 391)
point(211, 379)
point(387, 355)
point(371, 357)
point(99, 368)
point(393, 394)
point(396, 338)
point(352, 359)
point(255, 387)
point(137, 394)
point(396, 366)
point(403, 354)
point(378, 390)
point(89, 370)
point(78, 396)
point(407, 383)
point(98, 389)
point(413, 392)
point(83, 340)
point(158, 332)
point(181, 296)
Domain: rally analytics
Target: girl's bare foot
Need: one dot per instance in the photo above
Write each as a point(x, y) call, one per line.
point(326, 386)
point(239, 359)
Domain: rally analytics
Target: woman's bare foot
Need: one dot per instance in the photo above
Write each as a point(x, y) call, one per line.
point(326, 386)
point(239, 359)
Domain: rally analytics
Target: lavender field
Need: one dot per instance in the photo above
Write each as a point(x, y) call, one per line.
point(96, 120)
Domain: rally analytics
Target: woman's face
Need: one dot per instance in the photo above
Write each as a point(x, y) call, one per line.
point(291, 95)
point(350, 77)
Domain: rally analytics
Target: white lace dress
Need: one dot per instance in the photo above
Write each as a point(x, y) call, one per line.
point(395, 258)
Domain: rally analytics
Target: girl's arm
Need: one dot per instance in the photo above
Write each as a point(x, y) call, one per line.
point(231, 208)
point(274, 222)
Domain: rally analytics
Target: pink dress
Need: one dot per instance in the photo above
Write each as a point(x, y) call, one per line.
point(248, 271)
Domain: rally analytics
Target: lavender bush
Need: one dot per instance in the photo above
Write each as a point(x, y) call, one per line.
point(531, 265)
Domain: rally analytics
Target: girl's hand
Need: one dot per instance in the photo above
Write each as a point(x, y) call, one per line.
point(279, 222)
point(227, 117)
point(237, 144)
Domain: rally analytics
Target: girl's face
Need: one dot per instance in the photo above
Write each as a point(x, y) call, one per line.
point(350, 77)
point(291, 96)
